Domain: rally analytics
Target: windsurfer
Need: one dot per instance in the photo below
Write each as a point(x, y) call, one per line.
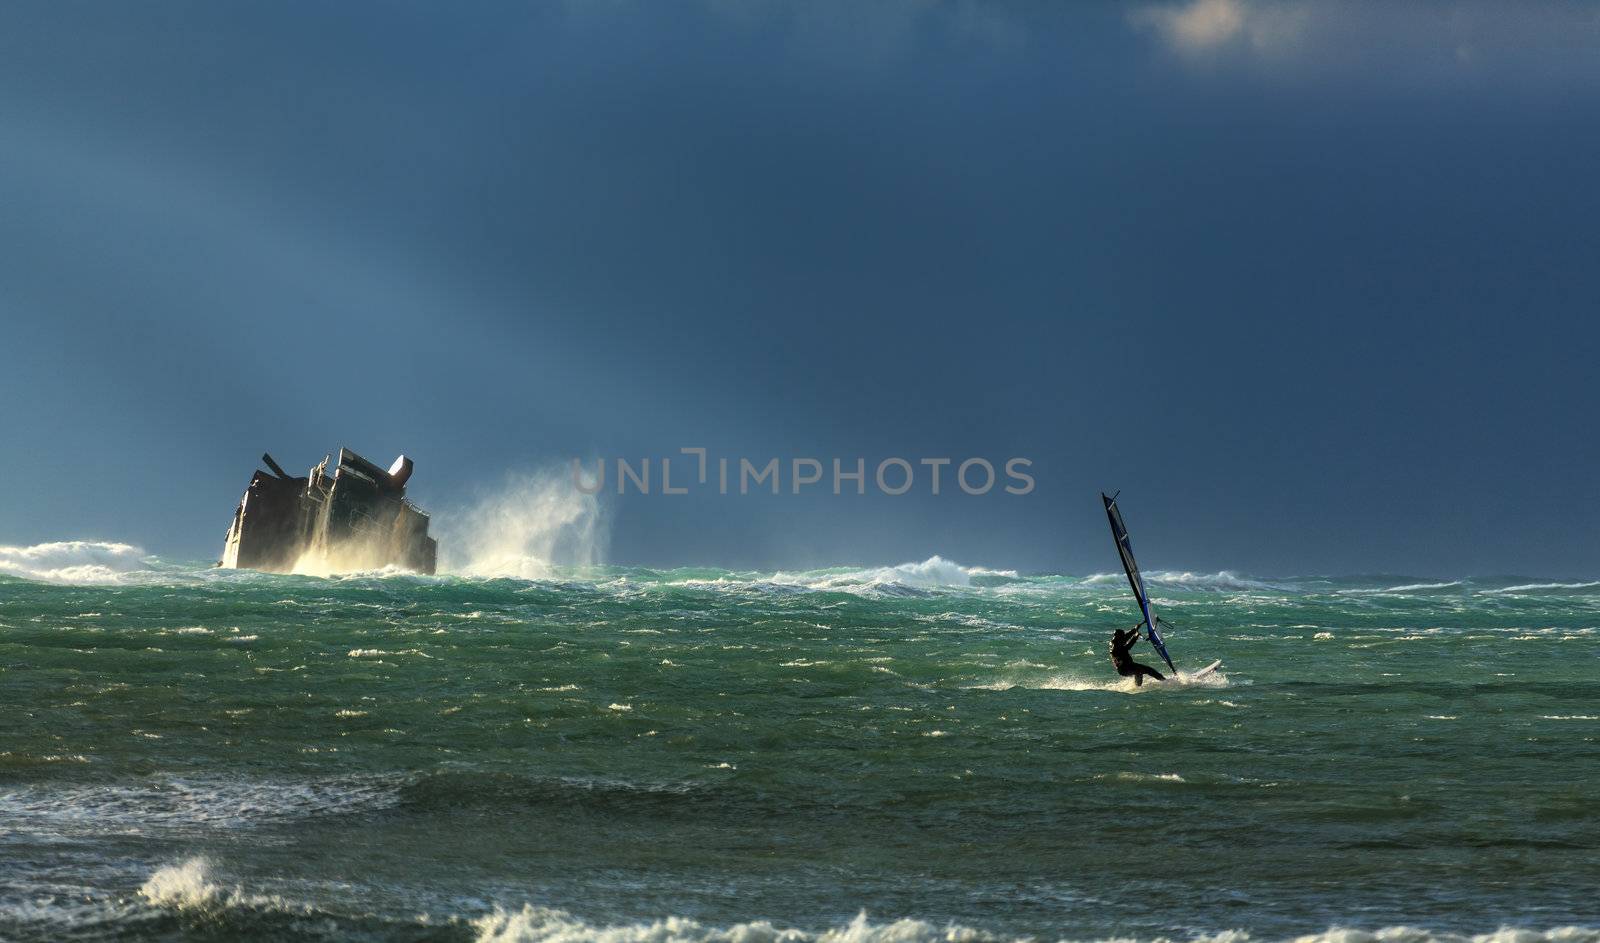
point(1121, 641)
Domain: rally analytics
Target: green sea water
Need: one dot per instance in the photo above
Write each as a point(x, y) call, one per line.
point(916, 752)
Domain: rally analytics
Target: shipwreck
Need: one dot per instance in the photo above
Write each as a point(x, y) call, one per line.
point(356, 518)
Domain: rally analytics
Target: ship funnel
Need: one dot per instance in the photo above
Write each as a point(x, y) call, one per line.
point(400, 471)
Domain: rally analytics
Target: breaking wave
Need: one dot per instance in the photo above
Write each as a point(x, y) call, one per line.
point(933, 573)
point(187, 885)
point(73, 561)
point(1543, 588)
point(533, 924)
point(191, 885)
point(1222, 580)
point(547, 925)
point(1403, 589)
point(538, 528)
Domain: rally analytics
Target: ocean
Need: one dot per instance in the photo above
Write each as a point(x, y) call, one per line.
point(919, 752)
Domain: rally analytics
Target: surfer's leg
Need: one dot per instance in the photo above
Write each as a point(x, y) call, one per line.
point(1142, 670)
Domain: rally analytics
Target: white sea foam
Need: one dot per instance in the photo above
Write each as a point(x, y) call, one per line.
point(533, 924)
point(546, 925)
point(179, 804)
point(1069, 682)
point(1222, 580)
point(1403, 934)
point(933, 573)
point(1417, 587)
point(1539, 587)
point(187, 885)
point(380, 653)
point(1402, 589)
point(352, 564)
point(191, 885)
point(1133, 777)
point(74, 561)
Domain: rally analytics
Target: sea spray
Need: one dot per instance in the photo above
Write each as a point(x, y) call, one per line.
point(186, 885)
point(368, 554)
point(533, 522)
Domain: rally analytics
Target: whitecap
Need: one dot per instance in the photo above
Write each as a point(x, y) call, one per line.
point(534, 924)
point(73, 561)
point(187, 885)
point(1183, 579)
point(1540, 587)
point(178, 804)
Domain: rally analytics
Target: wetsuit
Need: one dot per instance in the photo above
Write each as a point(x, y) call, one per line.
point(1120, 659)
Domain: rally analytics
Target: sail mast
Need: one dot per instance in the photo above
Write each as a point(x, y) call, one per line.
point(1130, 566)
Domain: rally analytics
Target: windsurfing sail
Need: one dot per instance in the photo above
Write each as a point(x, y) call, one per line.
point(1130, 566)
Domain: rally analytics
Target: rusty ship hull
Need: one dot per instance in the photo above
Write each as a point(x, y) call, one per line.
point(354, 518)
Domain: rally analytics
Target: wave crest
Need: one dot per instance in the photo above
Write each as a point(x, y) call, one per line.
point(73, 561)
point(1222, 580)
point(547, 925)
point(186, 886)
point(1543, 588)
point(933, 575)
point(534, 924)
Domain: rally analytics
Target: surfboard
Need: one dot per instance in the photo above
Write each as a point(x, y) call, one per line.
point(1190, 676)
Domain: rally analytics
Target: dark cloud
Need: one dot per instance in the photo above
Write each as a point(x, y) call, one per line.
point(1445, 41)
point(1307, 325)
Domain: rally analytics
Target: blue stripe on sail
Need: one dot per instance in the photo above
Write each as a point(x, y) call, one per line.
point(1119, 533)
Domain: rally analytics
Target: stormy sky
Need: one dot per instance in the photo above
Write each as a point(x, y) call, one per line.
point(1315, 284)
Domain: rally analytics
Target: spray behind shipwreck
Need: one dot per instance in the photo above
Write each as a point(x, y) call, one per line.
point(356, 518)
